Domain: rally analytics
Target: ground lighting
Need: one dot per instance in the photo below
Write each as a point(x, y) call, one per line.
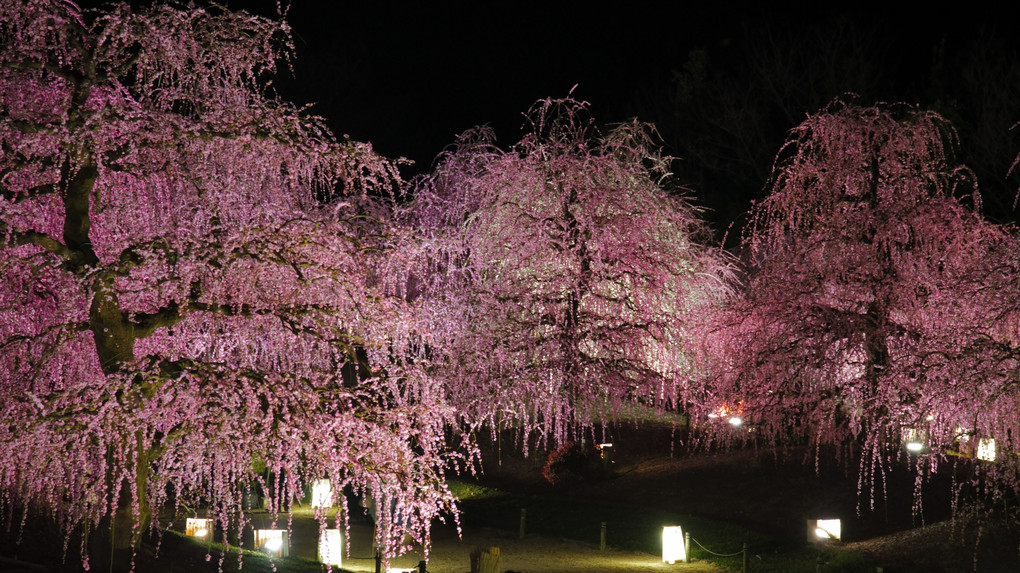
point(673, 548)
point(274, 542)
point(197, 527)
point(824, 530)
point(331, 547)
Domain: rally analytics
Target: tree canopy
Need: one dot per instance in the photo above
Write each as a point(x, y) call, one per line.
point(189, 291)
point(879, 302)
point(568, 275)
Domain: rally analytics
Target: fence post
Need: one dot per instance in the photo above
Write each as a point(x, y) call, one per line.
point(687, 547)
point(378, 562)
point(747, 558)
point(602, 538)
point(421, 567)
point(524, 513)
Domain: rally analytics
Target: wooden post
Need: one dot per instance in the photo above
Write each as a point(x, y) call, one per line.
point(687, 547)
point(602, 538)
point(747, 559)
point(524, 513)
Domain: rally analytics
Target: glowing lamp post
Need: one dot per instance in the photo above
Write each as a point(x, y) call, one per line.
point(197, 527)
point(331, 547)
point(820, 530)
point(322, 493)
point(673, 549)
point(273, 542)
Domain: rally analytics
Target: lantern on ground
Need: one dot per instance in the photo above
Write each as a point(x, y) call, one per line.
point(198, 527)
point(914, 439)
point(331, 547)
point(273, 542)
point(986, 449)
point(322, 493)
point(673, 548)
point(820, 530)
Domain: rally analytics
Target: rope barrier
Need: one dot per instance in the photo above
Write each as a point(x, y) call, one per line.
point(717, 554)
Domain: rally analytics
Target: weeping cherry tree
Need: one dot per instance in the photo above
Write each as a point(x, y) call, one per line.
point(566, 273)
point(881, 309)
point(187, 277)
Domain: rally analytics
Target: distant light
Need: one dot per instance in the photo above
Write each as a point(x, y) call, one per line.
point(322, 493)
point(331, 547)
point(197, 527)
point(272, 541)
point(673, 548)
point(824, 530)
point(736, 421)
point(986, 449)
point(713, 415)
point(913, 439)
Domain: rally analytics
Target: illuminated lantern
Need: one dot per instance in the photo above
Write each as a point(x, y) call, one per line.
point(331, 547)
point(824, 530)
point(322, 493)
point(673, 548)
point(197, 527)
point(273, 542)
point(913, 439)
point(986, 449)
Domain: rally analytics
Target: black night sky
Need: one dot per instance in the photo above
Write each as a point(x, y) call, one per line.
point(409, 77)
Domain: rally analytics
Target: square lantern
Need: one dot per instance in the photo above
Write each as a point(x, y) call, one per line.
point(331, 547)
point(197, 527)
point(914, 439)
point(986, 449)
point(820, 530)
point(274, 542)
point(322, 493)
point(673, 548)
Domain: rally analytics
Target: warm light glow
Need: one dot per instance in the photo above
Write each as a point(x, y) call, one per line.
point(331, 547)
point(913, 439)
point(986, 449)
point(824, 529)
point(272, 541)
point(322, 493)
point(713, 415)
point(197, 527)
point(673, 548)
